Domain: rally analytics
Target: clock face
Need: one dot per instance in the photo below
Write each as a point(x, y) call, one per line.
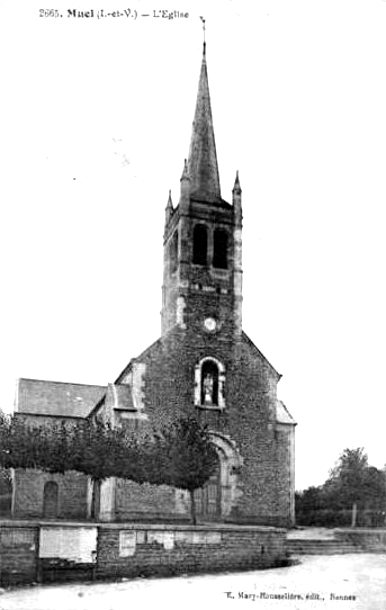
point(210, 324)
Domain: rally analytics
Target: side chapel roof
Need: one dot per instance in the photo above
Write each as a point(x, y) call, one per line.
point(56, 398)
point(283, 416)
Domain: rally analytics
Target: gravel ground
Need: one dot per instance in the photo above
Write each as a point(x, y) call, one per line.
point(362, 577)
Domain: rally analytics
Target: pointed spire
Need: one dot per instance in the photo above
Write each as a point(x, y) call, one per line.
point(202, 165)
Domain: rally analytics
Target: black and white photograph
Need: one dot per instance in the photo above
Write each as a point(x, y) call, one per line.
point(193, 301)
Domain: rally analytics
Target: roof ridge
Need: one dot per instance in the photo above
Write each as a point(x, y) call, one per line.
point(141, 355)
point(249, 340)
point(84, 385)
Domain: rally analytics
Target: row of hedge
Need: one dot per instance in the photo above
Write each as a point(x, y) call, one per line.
point(327, 517)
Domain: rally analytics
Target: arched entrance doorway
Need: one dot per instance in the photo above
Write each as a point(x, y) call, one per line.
point(96, 499)
point(208, 498)
point(50, 500)
point(220, 494)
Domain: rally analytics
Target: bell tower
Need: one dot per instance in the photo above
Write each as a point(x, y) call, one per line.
point(202, 282)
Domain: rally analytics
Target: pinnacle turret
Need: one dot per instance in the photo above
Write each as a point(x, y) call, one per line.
point(237, 187)
point(169, 208)
point(185, 171)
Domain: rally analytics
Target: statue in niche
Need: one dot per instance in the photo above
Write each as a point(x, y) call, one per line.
point(208, 389)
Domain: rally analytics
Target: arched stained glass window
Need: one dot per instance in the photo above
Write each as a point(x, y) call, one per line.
point(200, 245)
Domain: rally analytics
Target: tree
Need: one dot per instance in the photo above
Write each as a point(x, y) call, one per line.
point(347, 479)
point(353, 486)
point(101, 451)
point(374, 486)
point(4, 434)
point(93, 448)
point(182, 455)
point(308, 502)
point(21, 446)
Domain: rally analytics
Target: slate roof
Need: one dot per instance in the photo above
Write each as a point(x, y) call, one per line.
point(121, 397)
point(282, 414)
point(56, 398)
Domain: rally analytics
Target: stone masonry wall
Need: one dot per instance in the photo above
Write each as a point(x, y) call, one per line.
point(41, 552)
point(168, 550)
point(145, 501)
point(248, 419)
point(285, 482)
point(28, 494)
point(18, 554)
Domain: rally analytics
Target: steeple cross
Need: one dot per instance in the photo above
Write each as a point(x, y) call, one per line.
point(203, 26)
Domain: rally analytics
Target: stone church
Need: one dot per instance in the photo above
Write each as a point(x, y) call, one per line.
point(203, 364)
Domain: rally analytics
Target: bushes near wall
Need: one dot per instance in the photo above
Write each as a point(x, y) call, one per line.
point(329, 517)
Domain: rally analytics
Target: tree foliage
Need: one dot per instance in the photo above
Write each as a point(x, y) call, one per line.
point(353, 486)
point(91, 447)
point(180, 454)
point(348, 478)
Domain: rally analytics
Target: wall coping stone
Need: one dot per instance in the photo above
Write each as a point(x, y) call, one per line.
point(221, 527)
point(360, 530)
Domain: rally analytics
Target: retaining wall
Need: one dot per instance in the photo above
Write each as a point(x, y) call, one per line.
point(366, 539)
point(44, 551)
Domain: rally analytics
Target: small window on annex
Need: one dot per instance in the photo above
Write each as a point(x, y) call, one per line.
point(220, 248)
point(200, 245)
point(50, 500)
point(173, 252)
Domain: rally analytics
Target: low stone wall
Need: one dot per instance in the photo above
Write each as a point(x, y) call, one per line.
point(372, 540)
point(46, 551)
point(135, 550)
point(18, 554)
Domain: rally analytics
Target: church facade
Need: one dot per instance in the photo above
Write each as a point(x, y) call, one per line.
point(202, 364)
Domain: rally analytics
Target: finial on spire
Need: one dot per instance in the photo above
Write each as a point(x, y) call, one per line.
point(204, 30)
point(185, 171)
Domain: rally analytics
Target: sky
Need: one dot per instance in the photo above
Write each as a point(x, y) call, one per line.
point(95, 122)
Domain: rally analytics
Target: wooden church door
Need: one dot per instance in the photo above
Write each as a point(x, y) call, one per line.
point(96, 499)
point(50, 500)
point(208, 498)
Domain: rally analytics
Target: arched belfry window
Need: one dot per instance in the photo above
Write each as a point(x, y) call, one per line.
point(220, 249)
point(209, 384)
point(173, 252)
point(200, 245)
